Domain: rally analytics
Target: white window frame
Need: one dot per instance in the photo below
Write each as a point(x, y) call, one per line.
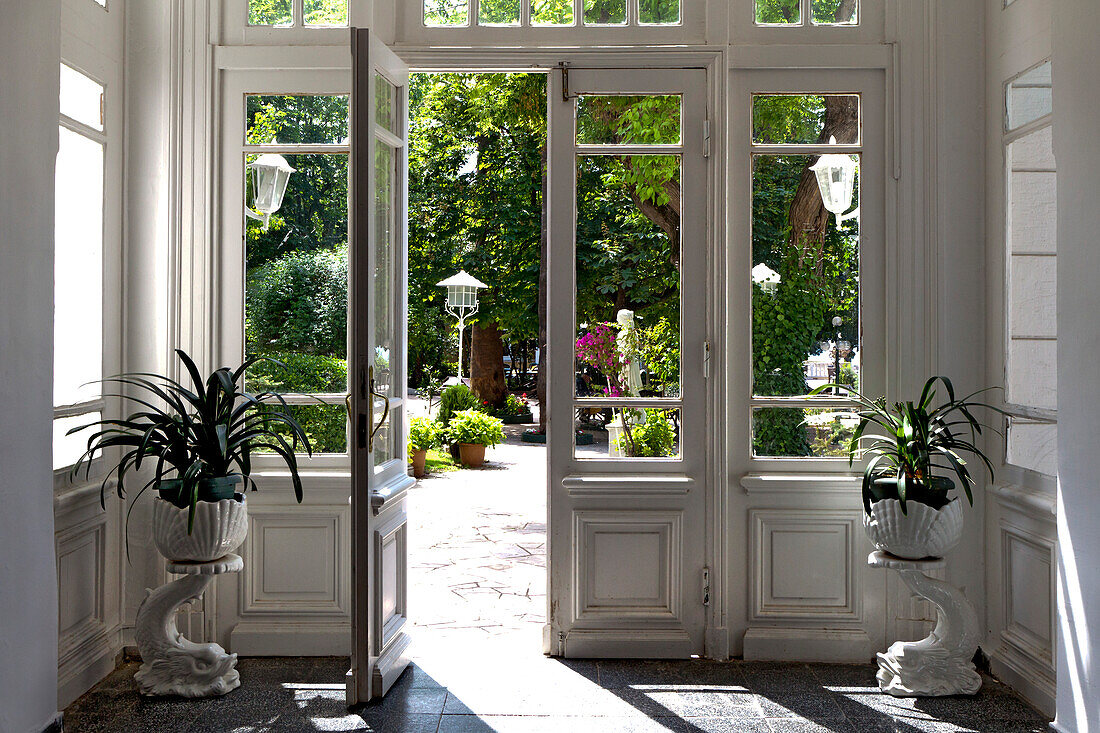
point(230, 306)
point(1016, 410)
point(235, 29)
point(870, 85)
point(411, 30)
point(87, 28)
point(869, 28)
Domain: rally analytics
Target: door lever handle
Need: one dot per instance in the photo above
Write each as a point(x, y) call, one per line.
point(375, 394)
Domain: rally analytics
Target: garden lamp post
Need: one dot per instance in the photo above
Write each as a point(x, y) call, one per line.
point(837, 323)
point(461, 303)
point(270, 174)
point(836, 178)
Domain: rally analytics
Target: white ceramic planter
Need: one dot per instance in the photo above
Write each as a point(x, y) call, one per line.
point(922, 532)
point(220, 527)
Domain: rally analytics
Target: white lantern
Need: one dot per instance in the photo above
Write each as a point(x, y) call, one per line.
point(766, 278)
point(270, 175)
point(836, 177)
point(461, 303)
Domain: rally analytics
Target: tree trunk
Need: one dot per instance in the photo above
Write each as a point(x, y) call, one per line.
point(808, 216)
point(487, 364)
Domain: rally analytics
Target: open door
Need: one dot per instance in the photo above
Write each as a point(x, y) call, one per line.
point(377, 363)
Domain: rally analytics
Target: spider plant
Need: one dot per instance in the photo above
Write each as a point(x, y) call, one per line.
point(191, 436)
point(917, 439)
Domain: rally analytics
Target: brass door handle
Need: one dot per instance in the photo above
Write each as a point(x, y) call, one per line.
point(385, 410)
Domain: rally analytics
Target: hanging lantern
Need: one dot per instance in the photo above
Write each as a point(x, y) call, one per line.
point(836, 177)
point(767, 278)
point(270, 175)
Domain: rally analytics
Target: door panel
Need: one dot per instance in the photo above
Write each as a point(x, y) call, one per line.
point(628, 193)
point(378, 267)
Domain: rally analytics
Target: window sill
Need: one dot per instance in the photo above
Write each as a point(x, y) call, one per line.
point(802, 483)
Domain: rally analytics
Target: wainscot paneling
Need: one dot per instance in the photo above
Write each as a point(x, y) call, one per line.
point(1021, 539)
point(87, 541)
point(806, 578)
point(294, 595)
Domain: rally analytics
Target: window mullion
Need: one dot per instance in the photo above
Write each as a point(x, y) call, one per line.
point(298, 14)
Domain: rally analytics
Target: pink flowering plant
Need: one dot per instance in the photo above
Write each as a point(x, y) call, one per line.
point(598, 349)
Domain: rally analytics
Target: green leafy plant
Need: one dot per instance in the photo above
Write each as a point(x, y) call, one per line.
point(655, 438)
point(917, 439)
point(454, 399)
point(424, 434)
point(206, 432)
point(516, 405)
point(476, 428)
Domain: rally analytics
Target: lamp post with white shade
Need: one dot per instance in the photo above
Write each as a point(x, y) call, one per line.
point(461, 303)
point(270, 175)
point(836, 178)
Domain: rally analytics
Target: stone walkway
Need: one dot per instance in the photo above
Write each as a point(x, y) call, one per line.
point(477, 546)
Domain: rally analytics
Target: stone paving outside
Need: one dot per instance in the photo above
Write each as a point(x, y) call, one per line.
point(477, 547)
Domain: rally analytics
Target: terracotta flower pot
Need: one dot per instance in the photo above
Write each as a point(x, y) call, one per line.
point(471, 454)
point(419, 457)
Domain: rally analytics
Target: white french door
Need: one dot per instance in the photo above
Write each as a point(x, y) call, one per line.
point(628, 194)
point(377, 366)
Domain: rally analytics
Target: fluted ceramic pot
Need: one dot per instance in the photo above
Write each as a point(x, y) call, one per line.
point(220, 527)
point(919, 533)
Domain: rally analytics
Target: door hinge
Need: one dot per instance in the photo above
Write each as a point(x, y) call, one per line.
point(706, 359)
point(706, 138)
point(706, 586)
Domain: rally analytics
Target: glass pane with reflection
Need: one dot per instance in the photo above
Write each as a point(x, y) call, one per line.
point(326, 13)
point(81, 98)
point(445, 12)
point(627, 433)
point(605, 12)
point(628, 276)
point(498, 12)
point(778, 12)
point(802, 432)
point(658, 12)
point(835, 12)
point(293, 119)
point(1029, 97)
point(628, 119)
point(552, 12)
point(805, 119)
point(278, 13)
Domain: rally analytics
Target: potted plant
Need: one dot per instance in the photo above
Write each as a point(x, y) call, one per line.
point(654, 438)
point(424, 434)
point(199, 443)
point(908, 509)
point(517, 411)
point(455, 398)
point(473, 431)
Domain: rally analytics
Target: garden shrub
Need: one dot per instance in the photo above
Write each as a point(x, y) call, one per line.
point(474, 426)
point(454, 399)
point(655, 438)
point(424, 434)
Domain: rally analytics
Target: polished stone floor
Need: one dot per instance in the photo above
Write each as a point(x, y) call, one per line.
point(533, 694)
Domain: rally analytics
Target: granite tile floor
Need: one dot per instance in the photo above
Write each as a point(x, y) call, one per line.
point(534, 694)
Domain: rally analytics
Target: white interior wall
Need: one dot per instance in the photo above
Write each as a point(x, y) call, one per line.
point(1019, 532)
point(29, 52)
point(1075, 29)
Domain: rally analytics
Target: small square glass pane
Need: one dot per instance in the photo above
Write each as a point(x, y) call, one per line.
point(1032, 444)
point(385, 103)
point(326, 13)
point(278, 13)
point(1029, 97)
point(628, 120)
point(784, 432)
point(551, 12)
point(67, 449)
point(605, 12)
point(805, 119)
point(445, 12)
point(658, 12)
point(81, 98)
point(326, 426)
point(835, 12)
point(291, 119)
point(498, 12)
point(627, 433)
point(778, 12)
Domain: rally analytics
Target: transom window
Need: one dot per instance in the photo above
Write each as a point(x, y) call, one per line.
point(298, 13)
point(550, 13)
point(807, 12)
